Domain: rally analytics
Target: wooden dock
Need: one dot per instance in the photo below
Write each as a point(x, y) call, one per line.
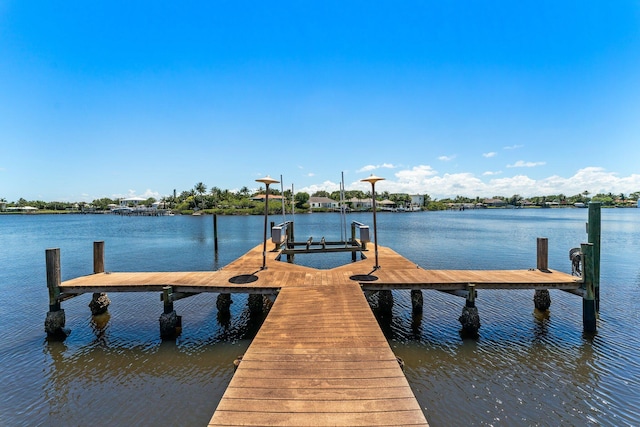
point(244, 275)
point(320, 357)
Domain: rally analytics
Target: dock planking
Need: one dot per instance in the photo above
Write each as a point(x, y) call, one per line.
point(245, 275)
point(320, 357)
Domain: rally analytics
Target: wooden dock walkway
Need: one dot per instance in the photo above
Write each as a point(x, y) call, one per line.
point(320, 357)
point(245, 276)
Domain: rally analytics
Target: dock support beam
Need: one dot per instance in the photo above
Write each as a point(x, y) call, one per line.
point(99, 301)
point(589, 298)
point(541, 297)
point(470, 319)
point(170, 322)
point(55, 320)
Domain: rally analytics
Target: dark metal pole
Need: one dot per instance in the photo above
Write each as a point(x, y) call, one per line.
point(264, 242)
point(375, 226)
point(215, 233)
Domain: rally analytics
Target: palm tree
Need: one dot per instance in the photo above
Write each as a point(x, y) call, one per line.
point(244, 191)
point(200, 189)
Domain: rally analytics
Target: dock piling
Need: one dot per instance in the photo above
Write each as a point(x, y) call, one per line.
point(470, 319)
point(385, 301)
point(255, 303)
point(541, 297)
point(100, 300)
point(170, 322)
point(416, 301)
point(593, 236)
point(54, 324)
point(589, 299)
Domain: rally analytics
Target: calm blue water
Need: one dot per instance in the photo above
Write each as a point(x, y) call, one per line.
point(524, 369)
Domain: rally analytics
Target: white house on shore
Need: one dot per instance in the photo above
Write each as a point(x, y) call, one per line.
point(417, 200)
point(360, 204)
point(323, 203)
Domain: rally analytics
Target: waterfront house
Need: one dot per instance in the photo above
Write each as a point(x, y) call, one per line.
point(360, 204)
point(387, 205)
point(323, 203)
point(494, 202)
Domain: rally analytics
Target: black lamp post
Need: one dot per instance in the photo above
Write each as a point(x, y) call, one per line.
point(267, 180)
point(373, 179)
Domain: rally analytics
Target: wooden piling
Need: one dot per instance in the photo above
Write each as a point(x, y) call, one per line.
point(170, 322)
point(588, 300)
point(417, 301)
point(593, 236)
point(471, 295)
point(541, 297)
point(54, 324)
point(53, 277)
point(98, 257)
point(99, 301)
point(543, 254)
point(167, 300)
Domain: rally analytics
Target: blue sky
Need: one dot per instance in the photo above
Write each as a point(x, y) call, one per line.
point(109, 99)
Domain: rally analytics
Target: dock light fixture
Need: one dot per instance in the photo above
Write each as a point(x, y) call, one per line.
point(267, 180)
point(373, 179)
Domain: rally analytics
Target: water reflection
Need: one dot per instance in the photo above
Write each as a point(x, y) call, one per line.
point(541, 323)
point(126, 384)
point(99, 324)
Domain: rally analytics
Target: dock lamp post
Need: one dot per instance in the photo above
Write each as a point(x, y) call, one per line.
point(267, 180)
point(373, 179)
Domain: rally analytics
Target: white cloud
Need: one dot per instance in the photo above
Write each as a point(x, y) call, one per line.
point(490, 154)
point(423, 179)
point(311, 174)
point(133, 193)
point(447, 158)
point(523, 164)
point(369, 168)
point(329, 186)
point(490, 173)
point(513, 147)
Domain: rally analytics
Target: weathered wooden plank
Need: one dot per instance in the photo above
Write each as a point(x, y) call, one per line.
point(319, 393)
point(318, 405)
point(313, 383)
point(391, 418)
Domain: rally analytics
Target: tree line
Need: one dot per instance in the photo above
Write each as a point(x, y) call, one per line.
point(217, 200)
